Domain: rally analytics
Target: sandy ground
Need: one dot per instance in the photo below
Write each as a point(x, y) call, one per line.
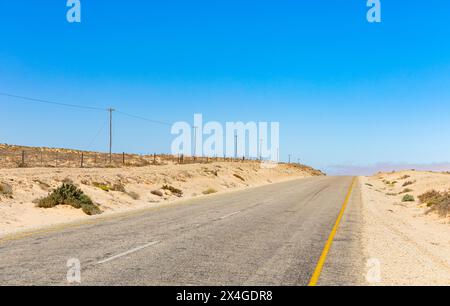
point(17, 211)
point(410, 246)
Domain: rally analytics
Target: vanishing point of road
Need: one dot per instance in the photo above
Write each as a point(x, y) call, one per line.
point(277, 234)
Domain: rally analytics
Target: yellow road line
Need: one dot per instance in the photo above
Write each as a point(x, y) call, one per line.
point(316, 275)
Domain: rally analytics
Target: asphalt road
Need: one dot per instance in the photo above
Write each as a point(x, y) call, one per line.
point(271, 235)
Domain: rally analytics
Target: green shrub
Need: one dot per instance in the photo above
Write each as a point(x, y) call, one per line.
point(102, 186)
point(408, 198)
point(69, 194)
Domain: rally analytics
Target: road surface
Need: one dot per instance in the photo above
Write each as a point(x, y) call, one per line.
point(270, 235)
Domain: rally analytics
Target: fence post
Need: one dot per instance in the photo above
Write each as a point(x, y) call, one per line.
point(23, 158)
point(82, 159)
point(123, 158)
point(154, 158)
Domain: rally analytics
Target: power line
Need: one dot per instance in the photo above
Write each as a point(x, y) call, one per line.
point(51, 102)
point(144, 119)
point(29, 99)
point(109, 110)
point(96, 135)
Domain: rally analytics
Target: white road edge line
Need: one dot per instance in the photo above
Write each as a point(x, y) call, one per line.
point(127, 252)
point(229, 215)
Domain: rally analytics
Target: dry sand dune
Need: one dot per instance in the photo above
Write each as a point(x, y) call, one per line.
point(127, 188)
point(411, 243)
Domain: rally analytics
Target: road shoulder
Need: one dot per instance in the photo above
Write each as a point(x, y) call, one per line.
point(345, 263)
point(408, 247)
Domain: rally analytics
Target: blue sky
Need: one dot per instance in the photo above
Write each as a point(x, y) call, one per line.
point(345, 92)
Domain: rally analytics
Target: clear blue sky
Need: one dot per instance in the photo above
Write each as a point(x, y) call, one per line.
point(345, 92)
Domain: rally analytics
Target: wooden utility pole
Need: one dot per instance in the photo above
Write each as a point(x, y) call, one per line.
point(235, 144)
point(195, 142)
point(110, 110)
point(260, 148)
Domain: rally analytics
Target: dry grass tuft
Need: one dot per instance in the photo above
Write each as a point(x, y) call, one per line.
point(209, 191)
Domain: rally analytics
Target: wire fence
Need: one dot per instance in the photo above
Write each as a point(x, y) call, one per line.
point(33, 158)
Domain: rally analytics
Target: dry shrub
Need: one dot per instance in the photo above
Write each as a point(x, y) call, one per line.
point(407, 183)
point(5, 189)
point(406, 190)
point(173, 190)
point(437, 202)
point(209, 191)
point(118, 187)
point(239, 177)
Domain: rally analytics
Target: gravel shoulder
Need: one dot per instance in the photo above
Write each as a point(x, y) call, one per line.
point(403, 244)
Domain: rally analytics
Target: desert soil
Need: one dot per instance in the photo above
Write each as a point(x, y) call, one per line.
point(411, 246)
point(18, 212)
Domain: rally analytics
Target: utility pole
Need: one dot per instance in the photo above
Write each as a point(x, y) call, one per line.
point(235, 144)
point(110, 110)
point(195, 141)
point(260, 149)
